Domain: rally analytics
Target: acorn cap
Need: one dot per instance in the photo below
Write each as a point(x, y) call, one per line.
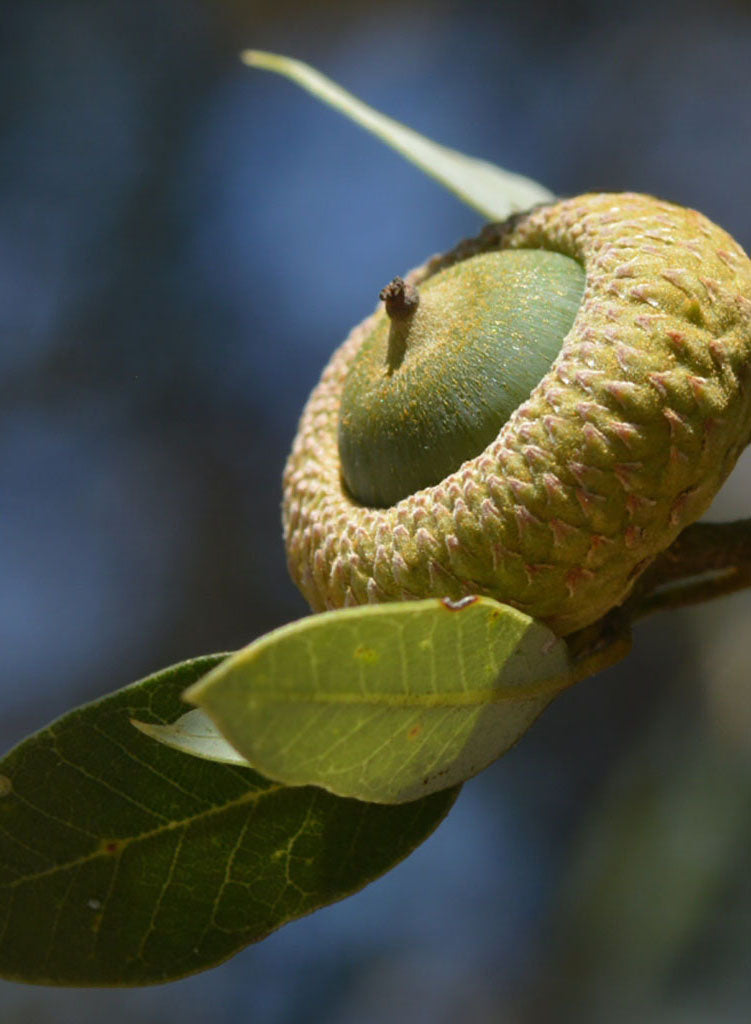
point(622, 443)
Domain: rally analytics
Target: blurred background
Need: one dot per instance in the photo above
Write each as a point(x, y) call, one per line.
point(183, 242)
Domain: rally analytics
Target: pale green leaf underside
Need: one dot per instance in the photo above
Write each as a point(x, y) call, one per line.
point(123, 862)
point(386, 702)
point(495, 193)
point(194, 733)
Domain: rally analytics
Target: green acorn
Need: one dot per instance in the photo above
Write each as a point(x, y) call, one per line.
point(534, 416)
point(442, 372)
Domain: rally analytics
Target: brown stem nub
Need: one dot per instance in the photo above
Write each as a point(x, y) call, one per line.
point(401, 299)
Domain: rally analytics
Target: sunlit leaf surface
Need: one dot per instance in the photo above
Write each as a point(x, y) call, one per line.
point(387, 702)
point(491, 190)
point(123, 862)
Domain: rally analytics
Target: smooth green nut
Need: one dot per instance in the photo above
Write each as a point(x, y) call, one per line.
point(610, 448)
point(438, 376)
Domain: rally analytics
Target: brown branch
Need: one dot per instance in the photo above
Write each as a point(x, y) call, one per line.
point(705, 561)
point(600, 645)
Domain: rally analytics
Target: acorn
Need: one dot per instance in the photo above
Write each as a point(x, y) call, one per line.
point(533, 416)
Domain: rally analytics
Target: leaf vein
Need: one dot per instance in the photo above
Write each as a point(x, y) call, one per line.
point(145, 764)
point(97, 780)
point(151, 927)
point(252, 797)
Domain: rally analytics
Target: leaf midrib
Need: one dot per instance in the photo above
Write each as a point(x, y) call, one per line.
point(250, 798)
point(414, 700)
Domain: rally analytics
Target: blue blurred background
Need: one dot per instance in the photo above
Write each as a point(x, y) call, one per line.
point(182, 244)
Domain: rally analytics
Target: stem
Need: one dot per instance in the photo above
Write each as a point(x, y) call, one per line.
point(705, 561)
point(599, 646)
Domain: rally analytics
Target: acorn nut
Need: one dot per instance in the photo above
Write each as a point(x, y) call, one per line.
point(533, 416)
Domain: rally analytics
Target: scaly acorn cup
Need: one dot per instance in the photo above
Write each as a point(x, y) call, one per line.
point(533, 416)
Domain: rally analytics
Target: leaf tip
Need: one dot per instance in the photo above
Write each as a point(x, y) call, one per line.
point(264, 60)
point(193, 693)
point(251, 57)
point(143, 727)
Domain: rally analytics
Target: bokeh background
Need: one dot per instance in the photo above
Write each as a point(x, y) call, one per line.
point(182, 243)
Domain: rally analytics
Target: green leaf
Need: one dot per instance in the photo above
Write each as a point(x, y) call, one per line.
point(494, 192)
point(194, 733)
point(387, 702)
point(123, 862)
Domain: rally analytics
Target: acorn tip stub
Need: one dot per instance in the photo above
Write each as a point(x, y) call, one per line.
point(400, 298)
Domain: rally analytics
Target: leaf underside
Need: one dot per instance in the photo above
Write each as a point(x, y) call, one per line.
point(194, 733)
point(495, 193)
point(123, 862)
point(387, 702)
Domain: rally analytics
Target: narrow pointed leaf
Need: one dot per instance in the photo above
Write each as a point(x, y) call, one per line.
point(123, 862)
point(387, 702)
point(495, 193)
point(194, 733)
